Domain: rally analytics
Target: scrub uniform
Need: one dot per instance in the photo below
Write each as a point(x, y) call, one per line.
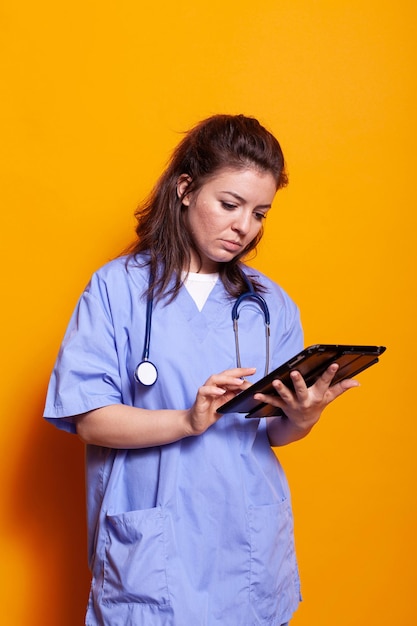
point(198, 532)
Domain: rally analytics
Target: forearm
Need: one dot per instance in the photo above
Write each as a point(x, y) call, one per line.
point(122, 426)
point(281, 431)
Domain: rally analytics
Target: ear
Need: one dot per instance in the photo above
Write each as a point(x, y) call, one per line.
point(183, 183)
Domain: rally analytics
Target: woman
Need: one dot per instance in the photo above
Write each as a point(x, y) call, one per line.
point(189, 515)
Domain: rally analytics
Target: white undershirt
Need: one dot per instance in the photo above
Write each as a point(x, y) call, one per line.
point(199, 286)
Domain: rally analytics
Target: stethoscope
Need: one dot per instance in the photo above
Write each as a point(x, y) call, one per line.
point(146, 372)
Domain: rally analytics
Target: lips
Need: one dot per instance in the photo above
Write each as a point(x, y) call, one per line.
point(232, 246)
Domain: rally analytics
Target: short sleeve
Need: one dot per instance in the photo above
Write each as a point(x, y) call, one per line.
point(86, 374)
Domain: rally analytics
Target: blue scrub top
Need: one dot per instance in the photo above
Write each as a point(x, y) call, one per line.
point(198, 532)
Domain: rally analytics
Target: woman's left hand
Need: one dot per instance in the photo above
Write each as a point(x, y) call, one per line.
point(304, 405)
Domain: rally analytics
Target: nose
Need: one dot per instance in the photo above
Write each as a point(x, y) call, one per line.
point(242, 222)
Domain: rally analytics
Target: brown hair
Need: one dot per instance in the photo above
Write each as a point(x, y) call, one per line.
point(221, 141)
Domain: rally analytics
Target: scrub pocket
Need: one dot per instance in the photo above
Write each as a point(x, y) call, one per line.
point(274, 586)
point(136, 558)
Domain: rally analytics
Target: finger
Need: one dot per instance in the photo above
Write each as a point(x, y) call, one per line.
point(227, 387)
point(299, 384)
point(329, 374)
point(230, 377)
point(211, 390)
point(349, 383)
point(273, 400)
point(240, 372)
point(325, 380)
point(342, 386)
point(283, 394)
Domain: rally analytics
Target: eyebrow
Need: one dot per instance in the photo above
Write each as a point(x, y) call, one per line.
point(243, 201)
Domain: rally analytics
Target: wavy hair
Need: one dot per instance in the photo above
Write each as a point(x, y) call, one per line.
point(218, 142)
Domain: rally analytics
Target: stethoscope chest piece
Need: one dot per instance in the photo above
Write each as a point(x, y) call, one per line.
point(146, 373)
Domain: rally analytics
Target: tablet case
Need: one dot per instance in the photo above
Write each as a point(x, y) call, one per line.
point(311, 363)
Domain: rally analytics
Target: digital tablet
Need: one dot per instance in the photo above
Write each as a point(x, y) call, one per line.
point(311, 363)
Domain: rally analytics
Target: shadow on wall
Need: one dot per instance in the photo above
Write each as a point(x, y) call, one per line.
point(47, 515)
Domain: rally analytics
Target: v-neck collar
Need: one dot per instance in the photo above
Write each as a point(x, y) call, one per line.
point(199, 286)
point(201, 322)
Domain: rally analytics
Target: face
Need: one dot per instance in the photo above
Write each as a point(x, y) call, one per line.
point(226, 214)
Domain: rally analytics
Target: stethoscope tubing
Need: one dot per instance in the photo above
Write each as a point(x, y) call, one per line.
point(251, 294)
point(146, 372)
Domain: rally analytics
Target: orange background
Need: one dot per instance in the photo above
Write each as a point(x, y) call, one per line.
point(94, 97)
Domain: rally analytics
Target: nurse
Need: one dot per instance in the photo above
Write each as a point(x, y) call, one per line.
point(189, 514)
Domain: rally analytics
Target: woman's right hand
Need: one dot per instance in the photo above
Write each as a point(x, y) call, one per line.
point(217, 390)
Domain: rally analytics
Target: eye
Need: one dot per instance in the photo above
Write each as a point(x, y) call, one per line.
point(260, 216)
point(229, 206)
